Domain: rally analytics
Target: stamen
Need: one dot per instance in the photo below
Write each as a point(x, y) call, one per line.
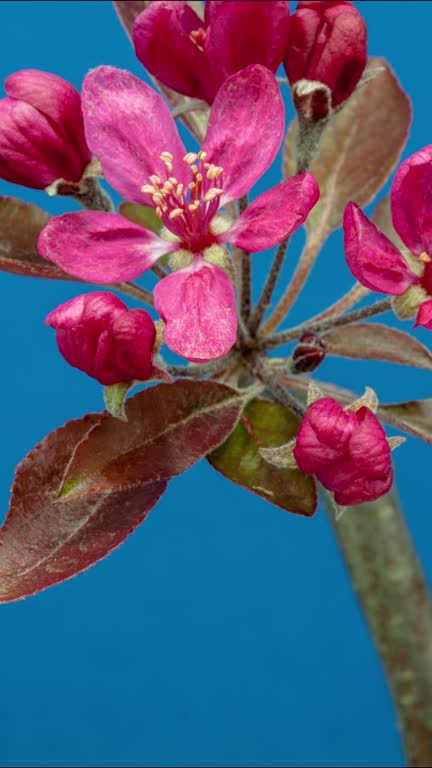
point(425, 257)
point(173, 180)
point(194, 169)
point(199, 177)
point(159, 212)
point(155, 180)
point(193, 206)
point(202, 155)
point(190, 157)
point(179, 190)
point(166, 156)
point(192, 185)
point(212, 193)
point(148, 189)
point(176, 212)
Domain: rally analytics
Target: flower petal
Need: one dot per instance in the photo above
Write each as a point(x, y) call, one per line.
point(372, 258)
point(245, 130)
point(198, 306)
point(424, 315)
point(274, 215)
point(100, 247)
point(247, 33)
point(127, 127)
point(165, 27)
point(411, 201)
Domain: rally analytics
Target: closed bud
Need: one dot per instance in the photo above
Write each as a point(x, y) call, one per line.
point(41, 131)
point(308, 354)
point(327, 44)
point(98, 334)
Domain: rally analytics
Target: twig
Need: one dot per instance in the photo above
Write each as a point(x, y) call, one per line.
point(197, 370)
point(134, 290)
point(269, 286)
point(279, 392)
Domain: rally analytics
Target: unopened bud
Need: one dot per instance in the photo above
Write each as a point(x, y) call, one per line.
point(308, 354)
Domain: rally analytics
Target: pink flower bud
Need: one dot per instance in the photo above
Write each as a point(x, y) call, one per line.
point(98, 334)
point(327, 43)
point(347, 451)
point(308, 354)
point(41, 130)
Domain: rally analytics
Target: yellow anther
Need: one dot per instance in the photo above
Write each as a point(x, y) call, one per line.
point(202, 155)
point(179, 190)
point(157, 199)
point(192, 185)
point(425, 257)
point(199, 177)
point(155, 180)
point(212, 172)
point(168, 165)
point(148, 189)
point(176, 212)
point(212, 193)
point(166, 156)
point(167, 187)
point(159, 212)
point(194, 169)
point(173, 180)
point(190, 157)
point(193, 206)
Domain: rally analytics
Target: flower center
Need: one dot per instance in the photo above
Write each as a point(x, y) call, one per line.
point(197, 37)
point(187, 211)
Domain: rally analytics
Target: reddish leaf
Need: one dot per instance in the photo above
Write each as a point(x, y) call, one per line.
point(45, 539)
point(413, 417)
point(264, 424)
point(367, 341)
point(359, 149)
point(169, 428)
point(20, 226)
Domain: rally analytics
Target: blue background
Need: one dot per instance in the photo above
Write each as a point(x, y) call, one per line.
point(224, 631)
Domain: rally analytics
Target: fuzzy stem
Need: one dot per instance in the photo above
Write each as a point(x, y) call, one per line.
point(347, 301)
point(133, 290)
point(159, 271)
point(392, 591)
point(318, 327)
point(191, 106)
point(93, 197)
point(197, 370)
point(269, 286)
point(279, 392)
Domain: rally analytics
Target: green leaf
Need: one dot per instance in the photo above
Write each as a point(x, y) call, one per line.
point(20, 226)
point(373, 341)
point(143, 215)
point(413, 417)
point(169, 427)
point(45, 539)
point(264, 424)
point(359, 148)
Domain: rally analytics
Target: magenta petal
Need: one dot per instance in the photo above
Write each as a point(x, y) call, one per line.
point(165, 26)
point(274, 215)
point(127, 126)
point(100, 247)
point(245, 130)
point(424, 315)
point(372, 258)
point(411, 201)
point(198, 307)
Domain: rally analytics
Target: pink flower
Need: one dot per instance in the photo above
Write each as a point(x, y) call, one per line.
point(327, 42)
point(195, 56)
point(41, 130)
point(98, 334)
point(346, 450)
point(131, 131)
point(376, 262)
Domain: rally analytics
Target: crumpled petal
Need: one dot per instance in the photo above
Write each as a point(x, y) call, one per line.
point(197, 304)
point(246, 127)
point(101, 247)
point(127, 126)
point(372, 258)
point(245, 33)
point(163, 45)
point(424, 315)
point(323, 435)
point(274, 215)
point(411, 201)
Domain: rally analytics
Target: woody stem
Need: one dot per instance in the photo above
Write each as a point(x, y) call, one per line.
point(269, 286)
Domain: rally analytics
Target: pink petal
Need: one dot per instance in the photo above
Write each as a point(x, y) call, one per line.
point(165, 26)
point(368, 446)
point(127, 126)
point(58, 100)
point(411, 201)
point(372, 258)
point(274, 215)
point(245, 130)
point(100, 247)
point(324, 434)
point(245, 33)
point(198, 307)
point(424, 315)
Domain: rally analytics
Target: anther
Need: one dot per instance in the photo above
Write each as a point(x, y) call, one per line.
point(176, 212)
point(192, 185)
point(194, 169)
point(179, 190)
point(148, 189)
point(212, 193)
point(199, 177)
point(202, 155)
point(193, 206)
point(173, 180)
point(155, 180)
point(190, 157)
point(166, 156)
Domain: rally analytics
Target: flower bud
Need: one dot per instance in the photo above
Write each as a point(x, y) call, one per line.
point(41, 130)
point(98, 334)
point(327, 43)
point(346, 450)
point(308, 354)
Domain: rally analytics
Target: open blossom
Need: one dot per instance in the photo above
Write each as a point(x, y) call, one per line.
point(327, 43)
point(131, 131)
point(377, 263)
point(41, 130)
point(346, 450)
point(98, 334)
point(195, 56)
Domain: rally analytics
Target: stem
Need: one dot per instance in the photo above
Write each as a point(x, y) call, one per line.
point(134, 290)
point(354, 295)
point(243, 262)
point(301, 274)
point(159, 271)
point(309, 134)
point(280, 393)
point(267, 292)
point(197, 370)
point(391, 587)
point(191, 106)
point(93, 197)
point(318, 327)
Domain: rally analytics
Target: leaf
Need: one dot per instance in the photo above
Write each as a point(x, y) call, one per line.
point(359, 148)
point(169, 427)
point(373, 341)
point(143, 215)
point(264, 424)
point(413, 417)
point(45, 539)
point(20, 226)
point(382, 219)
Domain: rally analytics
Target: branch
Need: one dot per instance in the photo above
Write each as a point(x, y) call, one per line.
point(134, 290)
point(270, 284)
